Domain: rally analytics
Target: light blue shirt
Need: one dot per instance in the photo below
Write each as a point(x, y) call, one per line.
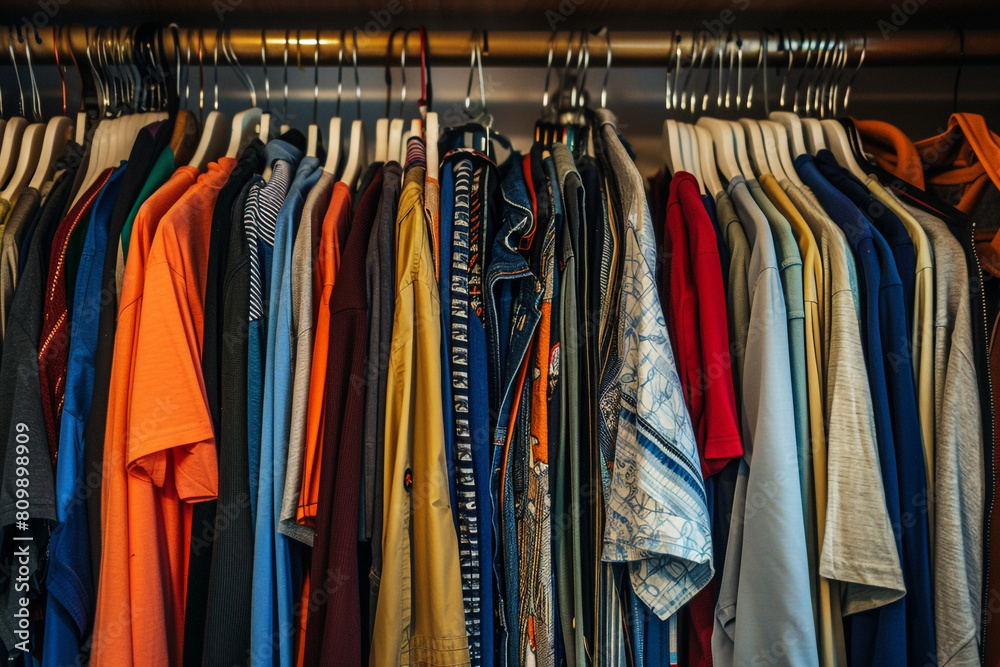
point(790, 269)
point(764, 612)
point(276, 574)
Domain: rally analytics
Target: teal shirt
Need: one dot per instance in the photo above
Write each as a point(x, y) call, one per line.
point(162, 170)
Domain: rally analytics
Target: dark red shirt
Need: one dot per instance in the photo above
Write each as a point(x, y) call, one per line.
point(53, 347)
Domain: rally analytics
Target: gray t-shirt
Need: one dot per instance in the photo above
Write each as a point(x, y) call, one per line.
point(303, 254)
point(858, 548)
point(958, 457)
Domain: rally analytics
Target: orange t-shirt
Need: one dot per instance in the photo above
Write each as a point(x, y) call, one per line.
point(335, 227)
point(160, 449)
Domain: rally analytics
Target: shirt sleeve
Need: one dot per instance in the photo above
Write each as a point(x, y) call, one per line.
point(169, 422)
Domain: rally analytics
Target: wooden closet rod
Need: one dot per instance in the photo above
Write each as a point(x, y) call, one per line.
point(650, 49)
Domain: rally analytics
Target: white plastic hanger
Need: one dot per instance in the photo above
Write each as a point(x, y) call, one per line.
point(793, 125)
point(357, 151)
point(216, 133)
point(784, 154)
point(840, 146)
point(694, 150)
point(814, 135)
point(670, 146)
point(755, 146)
point(31, 150)
point(740, 143)
point(57, 134)
point(722, 141)
point(10, 147)
point(333, 138)
point(771, 149)
point(706, 153)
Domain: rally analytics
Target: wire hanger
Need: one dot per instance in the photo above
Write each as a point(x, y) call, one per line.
point(312, 132)
point(396, 147)
point(216, 134)
point(483, 116)
point(58, 130)
point(431, 122)
point(265, 117)
point(382, 124)
point(357, 151)
point(10, 146)
point(285, 127)
point(246, 124)
point(333, 136)
point(31, 141)
point(670, 142)
point(416, 124)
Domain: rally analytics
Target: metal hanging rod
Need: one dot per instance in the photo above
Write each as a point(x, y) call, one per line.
point(651, 49)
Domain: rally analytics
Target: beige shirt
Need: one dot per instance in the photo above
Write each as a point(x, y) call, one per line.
point(420, 617)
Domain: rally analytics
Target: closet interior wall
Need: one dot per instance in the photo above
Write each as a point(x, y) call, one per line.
point(917, 96)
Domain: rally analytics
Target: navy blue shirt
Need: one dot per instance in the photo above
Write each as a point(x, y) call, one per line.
point(877, 636)
point(885, 221)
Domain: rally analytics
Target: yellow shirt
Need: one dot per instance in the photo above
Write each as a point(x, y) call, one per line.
point(922, 344)
point(420, 619)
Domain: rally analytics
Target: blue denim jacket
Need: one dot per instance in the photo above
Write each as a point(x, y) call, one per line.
point(512, 311)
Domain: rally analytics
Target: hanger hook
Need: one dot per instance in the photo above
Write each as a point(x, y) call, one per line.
point(387, 70)
point(354, 62)
point(798, 82)
point(676, 56)
point(13, 60)
point(697, 63)
point(762, 42)
point(476, 63)
point(340, 72)
point(607, 68)
point(215, 67)
point(284, 110)
point(857, 68)
point(580, 75)
point(739, 71)
point(263, 64)
point(727, 51)
point(548, 72)
point(56, 43)
point(234, 62)
point(36, 100)
point(316, 79)
point(402, 71)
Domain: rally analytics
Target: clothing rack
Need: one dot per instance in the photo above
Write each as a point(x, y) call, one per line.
point(633, 48)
